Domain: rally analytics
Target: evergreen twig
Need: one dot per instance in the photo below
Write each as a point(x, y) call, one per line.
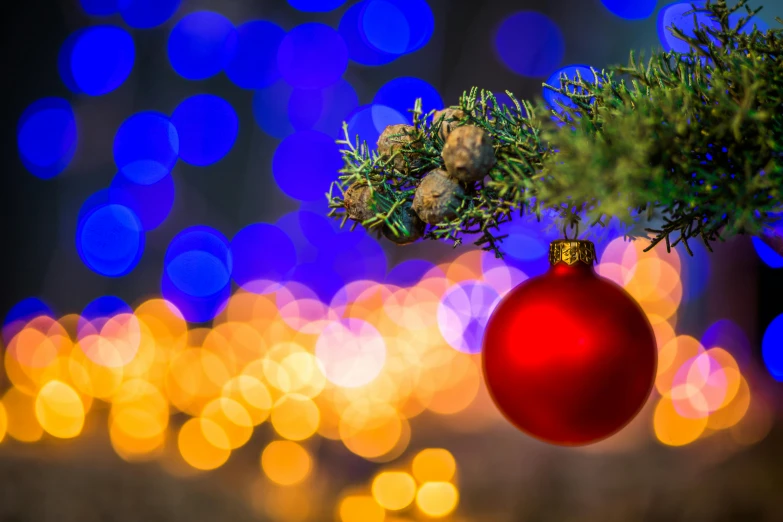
point(677, 147)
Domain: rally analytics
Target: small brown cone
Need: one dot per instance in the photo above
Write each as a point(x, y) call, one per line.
point(468, 153)
point(437, 197)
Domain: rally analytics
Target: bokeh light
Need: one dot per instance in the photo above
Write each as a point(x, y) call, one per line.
point(197, 275)
point(271, 108)
point(47, 137)
point(434, 465)
point(286, 463)
point(631, 9)
point(100, 7)
point(530, 44)
point(146, 147)
point(207, 126)
point(254, 61)
point(394, 490)
point(359, 50)
point(401, 93)
point(152, 203)
point(360, 508)
point(463, 314)
point(369, 121)
point(316, 6)
point(396, 26)
point(109, 239)
point(96, 60)
point(351, 351)
point(263, 258)
point(59, 410)
point(146, 14)
point(305, 164)
point(767, 254)
point(197, 449)
point(21, 314)
point(437, 499)
point(772, 348)
point(323, 110)
point(201, 45)
point(312, 56)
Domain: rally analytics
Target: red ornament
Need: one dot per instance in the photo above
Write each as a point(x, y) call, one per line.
point(569, 357)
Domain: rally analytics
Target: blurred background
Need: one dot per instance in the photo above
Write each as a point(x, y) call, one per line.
point(186, 336)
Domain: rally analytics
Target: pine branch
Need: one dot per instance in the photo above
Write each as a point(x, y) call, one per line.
point(677, 147)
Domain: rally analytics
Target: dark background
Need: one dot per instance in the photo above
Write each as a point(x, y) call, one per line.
point(39, 259)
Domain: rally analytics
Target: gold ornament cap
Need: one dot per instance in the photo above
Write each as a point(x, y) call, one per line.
point(569, 251)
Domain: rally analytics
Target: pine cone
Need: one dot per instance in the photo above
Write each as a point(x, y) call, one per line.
point(448, 119)
point(414, 227)
point(393, 139)
point(468, 153)
point(437, 197)
point(358, 202)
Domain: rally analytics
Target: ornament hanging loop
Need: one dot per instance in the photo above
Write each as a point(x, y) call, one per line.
point(574, 226)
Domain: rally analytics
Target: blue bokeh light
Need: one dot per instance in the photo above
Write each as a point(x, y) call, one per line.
point(760, 24)
point(264, 257)
point(270, 109)
point(292, 224)
point(194, 309)
point(100, 7)
point(21, 314)
point(146, 147)
point(312, 56)
point(369, 121)
point(530, 44)
point(146, 14)
point(98, 312)
point(316, 6)
point(96, 60)
point(408, 273)
point(767, 254)
point(365, 260)
point(401, 94)
point(109, 238)
point(772, 348)
point(674, 15)
point(730, 336)
point(47, 137)
point(571, 72)
point(305, 164)
point(151, 203)
point(323, 110)
point(695, 270)
point(198, 262)
point(201, 45)
point(359, 50)
point(631, 9)
point(207, 126)
point(254, 63)
point(396, 26)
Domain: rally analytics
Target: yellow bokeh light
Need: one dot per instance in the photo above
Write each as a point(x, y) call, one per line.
point(671, 358)
point(252, 394)
point(286, 463)
point(59, 410)
point(195, 446)
point(22, 423)
point(295, 417)
point(394, 490)
point(458, 393)
point(102, 379)
point(195, 377)
point(3, 422)
point(733, 412)
point(673, 429)
point(371, 431)
point(135, 449)
point(437, 499)
point(434, 465)
point(360, 508)
point(234, 420)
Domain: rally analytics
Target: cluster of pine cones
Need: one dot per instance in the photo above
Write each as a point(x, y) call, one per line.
point(467, 155)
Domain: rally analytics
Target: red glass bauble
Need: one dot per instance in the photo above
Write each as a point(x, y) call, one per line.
point(569, 357)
